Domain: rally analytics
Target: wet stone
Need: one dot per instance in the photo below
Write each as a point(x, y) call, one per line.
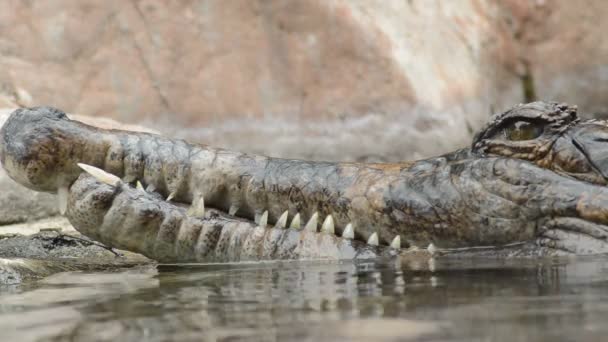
point(30, 257)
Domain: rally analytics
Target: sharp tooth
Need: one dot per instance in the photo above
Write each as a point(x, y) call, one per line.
point(431, 249)
point(171, 196)
point(328, 225)
point(295, 222)
point(264, 219)
point(282, 221)
point(373, 239)
point(140, 187)
point(100, 175)
point(396, 243)
point(62, 194)
point(233, 209)
point(348, 232)
point(312, 223)
point(197, 208)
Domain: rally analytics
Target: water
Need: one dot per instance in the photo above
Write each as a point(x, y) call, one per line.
point(458, 300)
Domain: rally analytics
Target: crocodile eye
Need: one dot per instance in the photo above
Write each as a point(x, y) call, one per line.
point(523, 130)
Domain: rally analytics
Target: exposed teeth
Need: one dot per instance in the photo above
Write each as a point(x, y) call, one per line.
point(349, 232)
point(100, 175)
point(373, 239)
point(312, 223)
point(197, 208)
point(328, 225)
point(140, 187)
point(396, 243)
point(282, 221)
point(264, 219)
point(431, 249)
point(233, 209)
point(295, 222)
point(171, 196)
point(150, 188)
point(62, 193)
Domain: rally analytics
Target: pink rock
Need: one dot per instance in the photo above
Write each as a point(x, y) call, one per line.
point(313, 79)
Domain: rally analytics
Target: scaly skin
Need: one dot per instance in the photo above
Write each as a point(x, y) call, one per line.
point(547, 187)
point(123, 217)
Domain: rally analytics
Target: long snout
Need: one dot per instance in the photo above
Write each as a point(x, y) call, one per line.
point(37, 146)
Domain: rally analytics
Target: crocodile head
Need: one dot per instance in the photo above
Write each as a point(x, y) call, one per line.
point(543, 168)
point(551, 136)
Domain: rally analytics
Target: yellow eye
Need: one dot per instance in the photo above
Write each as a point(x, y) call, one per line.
point(523, 130)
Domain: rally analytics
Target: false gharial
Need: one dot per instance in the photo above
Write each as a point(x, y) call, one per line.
point(533, 182)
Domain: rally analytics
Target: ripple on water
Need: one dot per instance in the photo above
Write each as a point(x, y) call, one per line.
point(459, 300)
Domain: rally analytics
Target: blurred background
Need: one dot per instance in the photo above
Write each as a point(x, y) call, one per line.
point(316, 79)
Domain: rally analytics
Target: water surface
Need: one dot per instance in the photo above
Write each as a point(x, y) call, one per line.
point(458, 300)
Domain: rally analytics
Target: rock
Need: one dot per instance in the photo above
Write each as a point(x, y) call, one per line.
point(55, 223)
point(312, 79)
point(562, 49)
point(53, 245)
point(315, 79)
point(18, 204)
point(26, 258)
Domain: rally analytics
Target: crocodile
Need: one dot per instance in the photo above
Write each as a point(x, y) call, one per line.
point(533, 182)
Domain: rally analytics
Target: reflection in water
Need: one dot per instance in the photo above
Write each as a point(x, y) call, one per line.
point(455, 300)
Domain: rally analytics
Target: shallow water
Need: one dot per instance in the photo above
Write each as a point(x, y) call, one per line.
point(458, 300)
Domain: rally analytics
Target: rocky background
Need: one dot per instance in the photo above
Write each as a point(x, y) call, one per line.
point(337, 80)
point(317, 79)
